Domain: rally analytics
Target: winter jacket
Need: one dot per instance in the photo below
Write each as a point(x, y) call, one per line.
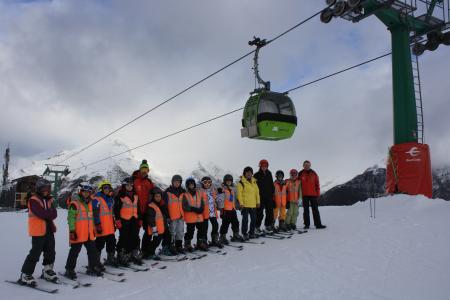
point(188, 208)
point(265, 185)
point(73, 212)
point(176, 191)
point(248, 193)
point(221, 197)
point(96, 205)
point(142, 187)
point(118, 203)
point(150, 215)
point(310, 183)
point(46, 211)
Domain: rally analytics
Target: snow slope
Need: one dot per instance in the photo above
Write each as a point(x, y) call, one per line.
point(402, 254)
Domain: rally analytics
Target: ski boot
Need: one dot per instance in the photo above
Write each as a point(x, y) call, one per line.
point(252, 235)
point(26, 279)
point(237, 237)
point(258, 231)
point(321, 226)
point(71, 274)
point(179, 247)
point(123, 258)
point(187, 246)
point(223, 239)
point(215, 242)
point(282, 226)
point(136, 257)
point(111, 260)
point(246, 237)
point(202, 245)
point(48, 273)
point(94, 271)
point(293, 227)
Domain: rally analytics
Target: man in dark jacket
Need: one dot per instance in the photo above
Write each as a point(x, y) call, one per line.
point(266, 190)
point(310, 192)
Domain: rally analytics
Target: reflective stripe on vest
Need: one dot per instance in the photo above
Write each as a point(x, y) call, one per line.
point(175, 206)
point(228, 201)
point(37, 226)
point(280, 194)
point(293, 190)
point(159, 220)
point(84, 223)
point(106, 218)
point(129, 208)
point(189, 216)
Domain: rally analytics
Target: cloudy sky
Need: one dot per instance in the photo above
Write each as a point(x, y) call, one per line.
point(71, 71)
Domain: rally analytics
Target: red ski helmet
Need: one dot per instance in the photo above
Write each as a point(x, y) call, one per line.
point(263, 162)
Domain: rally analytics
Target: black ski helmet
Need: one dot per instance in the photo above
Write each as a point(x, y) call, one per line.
point(189, 181)
point(128, 180)
point(228, 177)
point(42, 184)
point(177, 178)
point(247, 169)
point(156, 190)
point(279, 173)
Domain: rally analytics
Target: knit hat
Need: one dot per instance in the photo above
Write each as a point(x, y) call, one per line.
point(144, 165)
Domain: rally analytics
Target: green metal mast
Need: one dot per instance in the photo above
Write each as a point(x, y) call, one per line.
point(405, 29)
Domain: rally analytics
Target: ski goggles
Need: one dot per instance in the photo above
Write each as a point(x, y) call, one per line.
point(86, 188)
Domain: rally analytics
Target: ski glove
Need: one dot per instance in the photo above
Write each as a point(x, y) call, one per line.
point(155, 231)
point(98, 228)
point(73, 236)
point(118, 224)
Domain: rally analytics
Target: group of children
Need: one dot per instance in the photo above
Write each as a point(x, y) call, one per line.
point(93, 219)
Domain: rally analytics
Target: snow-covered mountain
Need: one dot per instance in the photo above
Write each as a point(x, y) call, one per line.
point(371, 183)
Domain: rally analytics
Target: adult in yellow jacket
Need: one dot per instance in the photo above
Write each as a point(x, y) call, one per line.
point(248, 197)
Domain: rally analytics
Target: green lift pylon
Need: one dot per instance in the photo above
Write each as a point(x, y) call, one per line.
point(407, 28)
point(57, 172)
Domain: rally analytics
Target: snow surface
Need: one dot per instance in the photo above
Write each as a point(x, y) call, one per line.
point(402, 254)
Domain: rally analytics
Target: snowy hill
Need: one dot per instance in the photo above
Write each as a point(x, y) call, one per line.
point(402, 254)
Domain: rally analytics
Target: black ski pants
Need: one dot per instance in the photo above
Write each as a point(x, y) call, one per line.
point(40, 244)
point(307, 202)
point(229, 217)
point(75, 250)
point(266, 206)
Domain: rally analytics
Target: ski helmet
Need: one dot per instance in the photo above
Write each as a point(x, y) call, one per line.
point(279, 173)
point(248, 169)
point(177, 178)
point(189, 181)
point(205, 179)
point(156, 190)
point(227, 177)
point(86, 186)
point(263, 162)
point(293, 172)
point(128, 180)
point(43, 184)
point(103, 184)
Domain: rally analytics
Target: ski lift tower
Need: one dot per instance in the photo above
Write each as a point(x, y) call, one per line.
point(54, 174)
point(415, 26)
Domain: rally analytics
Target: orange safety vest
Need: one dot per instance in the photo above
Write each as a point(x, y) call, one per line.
point(228, 201)
point(129, 208)
point(36, 226)
point(106, 218)
point(206, 203)
point(84, 224)
point(293, 188)
point(175, 206)
point(189, 216)
point(159, 220)
point(280, 194)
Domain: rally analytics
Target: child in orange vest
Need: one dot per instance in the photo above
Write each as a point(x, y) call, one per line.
point(156, 224)
point(210, 214)
point(173, 199)
point(102, 205)
point(228, 204)
point(127, 216)
point(81, 232)
point(279, 211)
point(41, 213)
point(294, 195)
point(193, 207)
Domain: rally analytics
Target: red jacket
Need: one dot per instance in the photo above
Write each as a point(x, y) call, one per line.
point(310, 183)
point(142, 187)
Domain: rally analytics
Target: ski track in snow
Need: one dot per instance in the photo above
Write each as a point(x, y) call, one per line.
point(402, 254)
